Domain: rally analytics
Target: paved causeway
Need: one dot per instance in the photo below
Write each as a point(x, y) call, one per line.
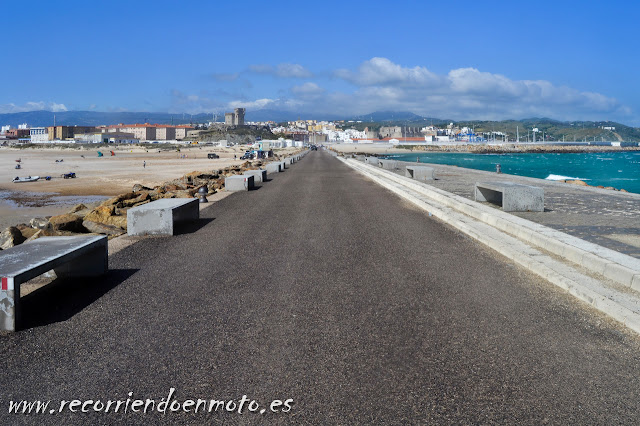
point(324, 288)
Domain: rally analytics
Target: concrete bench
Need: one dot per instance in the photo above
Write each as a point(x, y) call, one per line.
point(258, 175)
point(159, 217)
point(372, 160)
point(388, 164)
point(239, 183)
point(77, 256)
point(273, 167)
point(422, 173)
point(512, 196)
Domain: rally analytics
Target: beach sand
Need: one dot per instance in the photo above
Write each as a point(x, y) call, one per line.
point(96, 176)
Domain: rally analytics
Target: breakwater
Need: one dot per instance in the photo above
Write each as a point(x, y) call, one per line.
point(619, 169)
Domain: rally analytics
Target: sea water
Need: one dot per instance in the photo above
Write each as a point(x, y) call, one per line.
point(620, 170)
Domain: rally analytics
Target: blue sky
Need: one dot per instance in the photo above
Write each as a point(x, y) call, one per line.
point(567, 60)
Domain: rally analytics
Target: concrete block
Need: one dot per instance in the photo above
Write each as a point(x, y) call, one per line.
point(74, 256)
point(388, 164)
point(360, 157)
point(372, 160)
point(273, 167)
point(258, 175)
point(160, 216)
point(284, 165)
point(422, 173)
point(512, 196)
point(239, 183)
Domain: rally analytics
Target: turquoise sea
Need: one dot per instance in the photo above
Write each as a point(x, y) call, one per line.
point(618, 169)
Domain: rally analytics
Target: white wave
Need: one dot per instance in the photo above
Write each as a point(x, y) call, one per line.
point(560, 177)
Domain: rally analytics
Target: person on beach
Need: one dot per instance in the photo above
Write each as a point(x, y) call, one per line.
point(144, 164)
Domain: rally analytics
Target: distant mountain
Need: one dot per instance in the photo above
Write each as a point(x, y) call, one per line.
point(95, 118)
point(388, 116)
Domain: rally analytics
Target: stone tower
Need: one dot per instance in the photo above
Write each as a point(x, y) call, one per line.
point(239, 116)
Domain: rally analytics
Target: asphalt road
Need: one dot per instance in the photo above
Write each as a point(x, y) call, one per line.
point(323, 288)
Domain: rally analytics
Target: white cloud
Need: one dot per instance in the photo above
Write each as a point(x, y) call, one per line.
point(463, 93)
point(381, 71)
point(33, 106)
point(284, 70)
point(265, 103)
point(307, 89)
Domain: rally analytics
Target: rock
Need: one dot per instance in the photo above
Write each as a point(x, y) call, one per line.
point(67, 222)
point(144, 196)
point(77, 208)
point(610, 188)
point(138, 187)
point(115, 200)
point(576, 182)
point(623, 190)
point(11, 237)
point(42, 233)
point(101, 228)
point(108, 216)
point(28, 232)
point(39, 223)
point(172, 187)
point(100, 214)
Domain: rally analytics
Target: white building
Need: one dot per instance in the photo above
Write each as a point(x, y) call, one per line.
point(110, 137)
point(39, 135)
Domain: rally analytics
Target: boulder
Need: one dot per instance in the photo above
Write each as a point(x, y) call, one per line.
point(78, 207)
point(108, 216)
point(67, 222)
point(172, 187)
point(138, 187)
point(144, 196)
point(11, 237)
point(101, 228)
point(42, 233)
point(576, 182)
point(115, 200)
point(28, 232)
point(39, 223)
point(100, 214)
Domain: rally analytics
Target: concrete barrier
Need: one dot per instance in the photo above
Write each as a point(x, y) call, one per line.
point(372, 160)
point(258, 175)
point(422, 173)
point(388, 164)
point(239, 183)
point(273, 167)
point(75, 256)
point(360, 157)
point(159, 217)
point(512, 196)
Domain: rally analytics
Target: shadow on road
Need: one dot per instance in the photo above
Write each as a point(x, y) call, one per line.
point(63, 298)
point(191, 226)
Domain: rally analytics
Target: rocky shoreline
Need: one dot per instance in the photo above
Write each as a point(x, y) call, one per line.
point(110, 217)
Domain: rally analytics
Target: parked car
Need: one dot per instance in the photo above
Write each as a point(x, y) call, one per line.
point(211, 155)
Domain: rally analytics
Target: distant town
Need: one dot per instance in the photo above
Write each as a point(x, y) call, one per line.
point(287, 134)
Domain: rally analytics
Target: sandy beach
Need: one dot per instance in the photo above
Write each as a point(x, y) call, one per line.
point(96, 176)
